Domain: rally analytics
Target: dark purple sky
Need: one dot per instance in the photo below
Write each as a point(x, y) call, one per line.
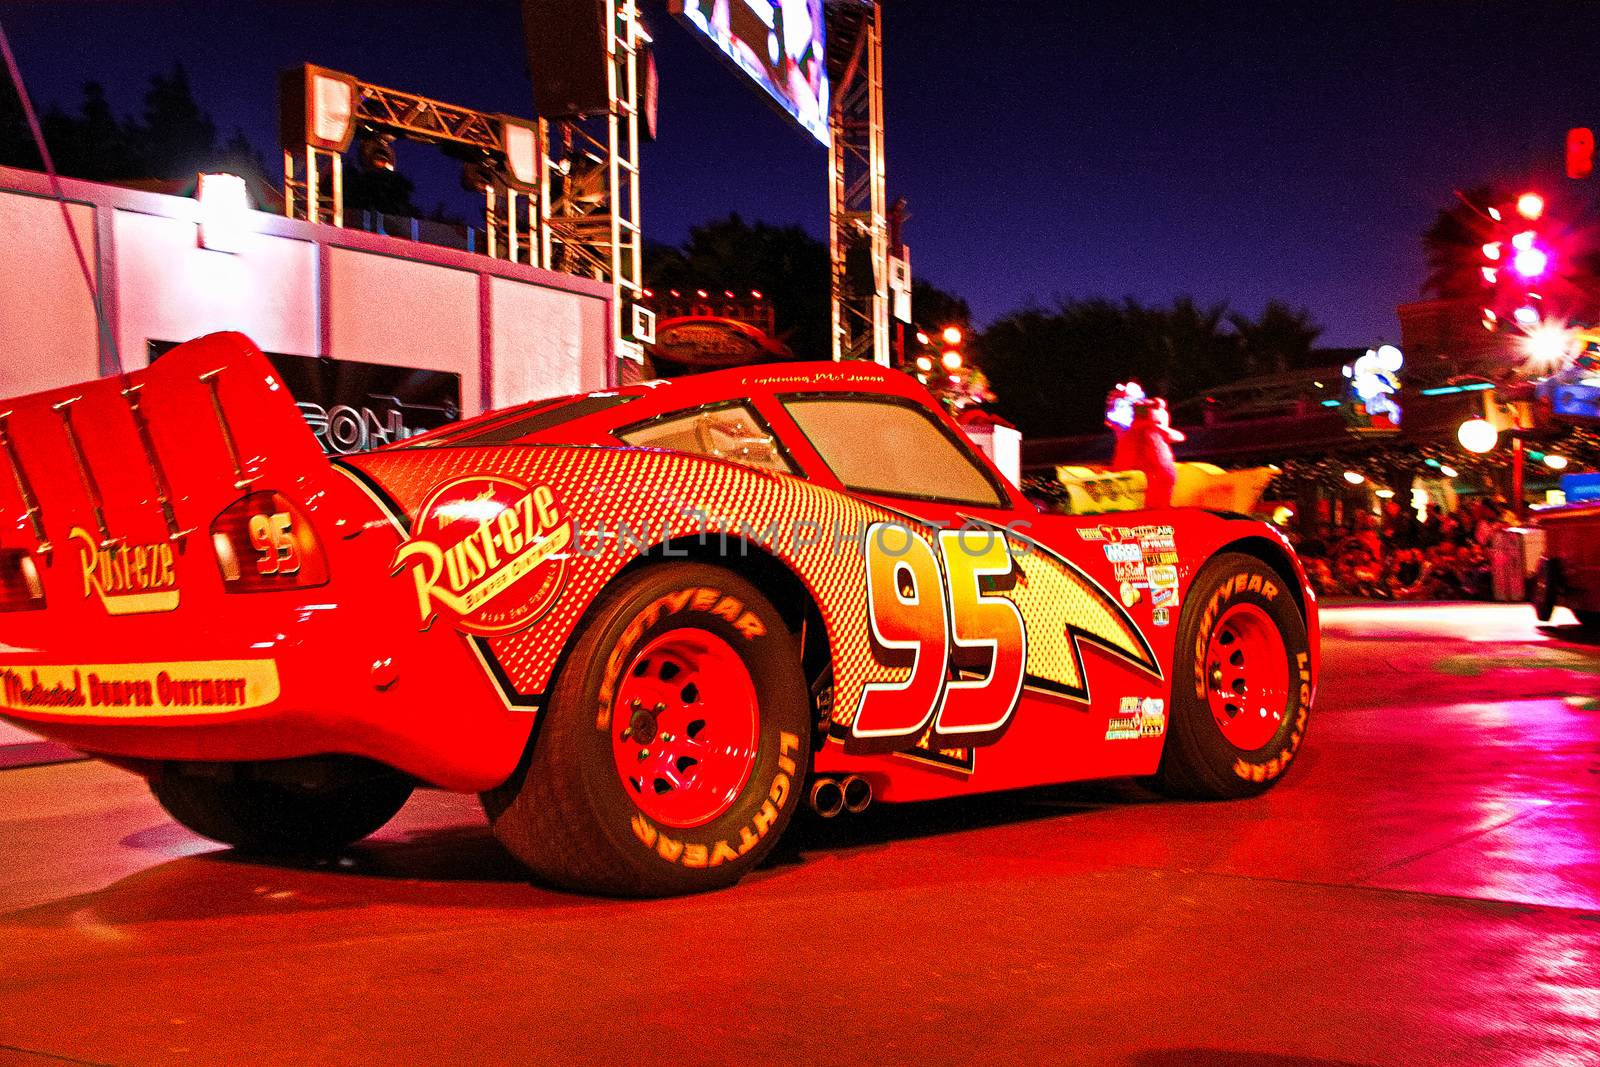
point(1235, 150)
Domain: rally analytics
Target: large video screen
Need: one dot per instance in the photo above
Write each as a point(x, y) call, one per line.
point(781, 44)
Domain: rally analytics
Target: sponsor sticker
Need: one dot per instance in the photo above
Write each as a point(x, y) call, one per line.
point(138, 690)
point(127, 579)
point(1123, 553)
point(488, 553)
point(1164, 598)
point(1130, 594)
point(1138, 717)
point(1161, 616)
point(1164, 576)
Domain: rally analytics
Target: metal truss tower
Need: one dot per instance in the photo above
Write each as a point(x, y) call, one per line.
point(577, 208)
point(858, 225)
point(590, 201)
point(313, 175)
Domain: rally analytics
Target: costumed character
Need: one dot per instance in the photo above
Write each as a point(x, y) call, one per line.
point(1144, 440)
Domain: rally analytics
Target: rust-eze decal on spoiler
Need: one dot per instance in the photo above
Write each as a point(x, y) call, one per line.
point(138, 690)
point(128, 579)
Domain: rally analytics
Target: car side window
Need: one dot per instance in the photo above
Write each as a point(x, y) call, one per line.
point(877, 445)
point(733, 432)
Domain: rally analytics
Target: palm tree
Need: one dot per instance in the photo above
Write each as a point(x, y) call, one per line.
point(1280, 338)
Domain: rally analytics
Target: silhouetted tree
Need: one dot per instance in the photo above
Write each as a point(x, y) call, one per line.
point(1280, 338)
point(932, 308)
point(785, 263)
point(1051, 368)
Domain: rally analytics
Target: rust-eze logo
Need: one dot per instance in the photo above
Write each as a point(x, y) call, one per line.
point(488, 553)
point(127, 579)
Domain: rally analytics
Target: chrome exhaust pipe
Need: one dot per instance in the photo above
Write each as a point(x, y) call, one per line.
point(827, 798)
point(857, 793)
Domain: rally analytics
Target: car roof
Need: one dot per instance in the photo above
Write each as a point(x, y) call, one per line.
point(645, 400)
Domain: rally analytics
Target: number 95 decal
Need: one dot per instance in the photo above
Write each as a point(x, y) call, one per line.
point(941, 615)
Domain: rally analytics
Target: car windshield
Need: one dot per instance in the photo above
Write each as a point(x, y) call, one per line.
point(897, 448)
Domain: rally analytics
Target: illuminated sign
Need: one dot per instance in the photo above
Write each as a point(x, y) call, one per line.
point(779, 44)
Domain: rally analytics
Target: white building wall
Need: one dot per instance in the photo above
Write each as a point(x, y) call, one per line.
point(293, 287)
point(48, 334)
point(541, 341)
point(387, 310)
point(171, 289)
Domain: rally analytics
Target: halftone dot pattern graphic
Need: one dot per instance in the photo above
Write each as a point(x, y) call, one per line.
point(654, 496)
point(623, 502)
point(1057, 601)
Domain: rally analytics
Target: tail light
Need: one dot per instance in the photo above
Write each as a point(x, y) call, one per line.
point(264, 544)
point(20, 586)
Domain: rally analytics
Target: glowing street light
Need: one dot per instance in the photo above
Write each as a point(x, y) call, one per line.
point(952, 335)
point(1477, 435)
point(1530, 206)
point(1531, 262)
point(951, 360)
point(1354, 477)
point(1546, 347)
point(1555, 462)
point(1526, 315)
point(1448, 471)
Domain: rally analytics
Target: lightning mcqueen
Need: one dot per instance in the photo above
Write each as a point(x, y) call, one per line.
point(644, 624)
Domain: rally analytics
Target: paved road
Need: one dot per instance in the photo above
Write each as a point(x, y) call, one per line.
point(1423, 888)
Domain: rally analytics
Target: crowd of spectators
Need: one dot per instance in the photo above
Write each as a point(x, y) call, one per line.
point(1399, 556)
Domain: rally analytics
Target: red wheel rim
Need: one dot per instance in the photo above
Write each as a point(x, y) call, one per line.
point(1247, 676)
point(684, 728)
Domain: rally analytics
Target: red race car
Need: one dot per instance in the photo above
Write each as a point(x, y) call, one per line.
point(645, 624)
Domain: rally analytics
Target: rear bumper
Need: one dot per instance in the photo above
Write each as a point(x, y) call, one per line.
point(300, 683)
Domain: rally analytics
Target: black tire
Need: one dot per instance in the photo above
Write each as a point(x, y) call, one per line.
point(566, 813)
point(1198, 761)
point(1546, 588)
point(274, 818)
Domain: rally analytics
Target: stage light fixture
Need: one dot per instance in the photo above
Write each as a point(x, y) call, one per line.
point(376, 151)
point(521, 140)
point(224, 204)
point(318, 108)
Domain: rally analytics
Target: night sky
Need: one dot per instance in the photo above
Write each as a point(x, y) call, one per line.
point(1235, 151)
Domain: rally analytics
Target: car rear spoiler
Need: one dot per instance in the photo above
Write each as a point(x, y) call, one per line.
point(153, 455)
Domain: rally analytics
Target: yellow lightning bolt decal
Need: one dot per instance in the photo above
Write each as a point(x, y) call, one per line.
point(1062, 606)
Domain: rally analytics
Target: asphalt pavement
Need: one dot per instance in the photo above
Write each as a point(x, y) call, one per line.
point(1423, 887)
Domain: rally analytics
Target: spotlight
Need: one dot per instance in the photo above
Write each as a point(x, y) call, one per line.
point(376, 151)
